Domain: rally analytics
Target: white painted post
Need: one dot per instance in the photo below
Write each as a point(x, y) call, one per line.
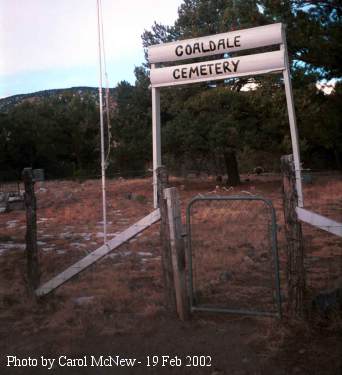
point(156, 139)
point(292, 121)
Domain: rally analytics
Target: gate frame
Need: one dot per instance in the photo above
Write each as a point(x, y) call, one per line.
point(268, 203)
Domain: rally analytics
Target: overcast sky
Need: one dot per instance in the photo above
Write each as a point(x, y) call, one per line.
point(47, 44)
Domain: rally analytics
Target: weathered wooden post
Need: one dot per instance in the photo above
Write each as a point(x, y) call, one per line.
point(177, 252)
point(163, 183)
point(33, 269)
point(295, 272)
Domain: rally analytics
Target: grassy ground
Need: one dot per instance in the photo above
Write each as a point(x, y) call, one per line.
point(117, 306)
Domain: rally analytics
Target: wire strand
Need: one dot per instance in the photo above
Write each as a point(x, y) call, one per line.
point(109, 135)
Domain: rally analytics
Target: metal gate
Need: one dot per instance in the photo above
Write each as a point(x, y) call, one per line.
point(232, 255)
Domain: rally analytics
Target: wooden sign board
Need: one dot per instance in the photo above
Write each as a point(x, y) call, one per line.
point(218, 69)
point(216, 44)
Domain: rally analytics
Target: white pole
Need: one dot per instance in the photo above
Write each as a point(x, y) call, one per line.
point(293, 124)
point(156, 147)
point(103, 167)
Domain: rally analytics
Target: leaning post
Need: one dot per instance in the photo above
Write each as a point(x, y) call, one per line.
point(295, 270)
point(33, 268)
point(177, 252)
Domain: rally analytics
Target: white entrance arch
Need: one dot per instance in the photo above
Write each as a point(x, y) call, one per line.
point(248, 65)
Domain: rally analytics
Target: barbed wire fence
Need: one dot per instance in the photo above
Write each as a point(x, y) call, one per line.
point(323, 250)
point(313, 261)
point(234, 233)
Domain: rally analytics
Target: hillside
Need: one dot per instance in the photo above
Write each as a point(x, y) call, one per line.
point(9, 102)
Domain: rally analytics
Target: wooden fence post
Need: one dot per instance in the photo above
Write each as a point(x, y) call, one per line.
point(33, 269)
point(177, 252)
point(167, 272)
point(295, 272)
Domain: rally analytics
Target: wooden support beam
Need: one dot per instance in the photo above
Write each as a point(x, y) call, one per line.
point(33, 269)
point(99, 253)
point(156, 139)
point(177, 252)
point(295, 274)
point(319, 221)
point(293, 123)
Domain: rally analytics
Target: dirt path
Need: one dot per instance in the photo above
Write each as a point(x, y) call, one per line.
point(236, 346)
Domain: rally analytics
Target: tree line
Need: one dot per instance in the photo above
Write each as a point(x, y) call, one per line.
point(217, 127)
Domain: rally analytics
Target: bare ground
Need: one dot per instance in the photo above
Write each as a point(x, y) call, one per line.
point(116, 307)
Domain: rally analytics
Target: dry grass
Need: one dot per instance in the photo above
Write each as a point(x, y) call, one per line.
point(126, 288)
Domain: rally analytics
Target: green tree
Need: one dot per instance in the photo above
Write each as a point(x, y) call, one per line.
point(131, 125)
point(59, 134)
point(212, 125)
point(314, 33)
